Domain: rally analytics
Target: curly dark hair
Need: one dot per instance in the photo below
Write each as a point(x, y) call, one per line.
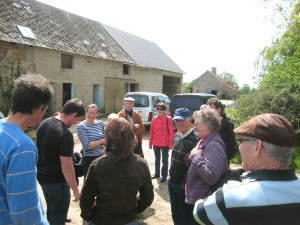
point(218, 104)
point(30, 92)
point(119, 135)
point(73, 106)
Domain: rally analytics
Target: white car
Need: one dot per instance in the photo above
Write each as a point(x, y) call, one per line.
point(145, 103)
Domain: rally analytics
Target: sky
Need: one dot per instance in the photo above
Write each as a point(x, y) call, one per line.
point(196, 34)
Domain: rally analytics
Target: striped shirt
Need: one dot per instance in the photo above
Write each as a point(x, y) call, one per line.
point(265, 197)
point(20, 201)
point(90, 132)
point(182, 145)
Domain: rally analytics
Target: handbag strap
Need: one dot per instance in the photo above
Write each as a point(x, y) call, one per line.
point(222, 144)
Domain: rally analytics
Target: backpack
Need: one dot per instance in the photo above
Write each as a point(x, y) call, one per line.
point(229, 174)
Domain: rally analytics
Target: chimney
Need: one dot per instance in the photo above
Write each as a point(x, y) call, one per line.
point(214, 70)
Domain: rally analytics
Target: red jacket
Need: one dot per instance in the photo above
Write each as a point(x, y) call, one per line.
point(161, 131)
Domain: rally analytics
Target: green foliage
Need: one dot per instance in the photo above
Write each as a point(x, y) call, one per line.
point(229, 79)
point(279, 64)
point(283, 101)
point(245, 89)
point(188, 87)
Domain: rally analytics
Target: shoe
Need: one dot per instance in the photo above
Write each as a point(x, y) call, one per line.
point(155, 176)
point(68, 220)
point(162, 180)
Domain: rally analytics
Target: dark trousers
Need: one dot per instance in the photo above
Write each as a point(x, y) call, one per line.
point(182, 213)
point(87, 160)
point(164, 151)
point(138, 150)
point(57, 197)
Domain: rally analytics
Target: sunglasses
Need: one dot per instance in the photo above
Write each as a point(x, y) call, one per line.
point(161, 109)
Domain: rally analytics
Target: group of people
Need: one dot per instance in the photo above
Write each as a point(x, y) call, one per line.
point(117, 184)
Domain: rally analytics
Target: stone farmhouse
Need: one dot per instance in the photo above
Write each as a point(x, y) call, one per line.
point(210, 82)
point(81, 57)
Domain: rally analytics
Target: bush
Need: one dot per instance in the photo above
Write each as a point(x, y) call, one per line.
point(283, 101)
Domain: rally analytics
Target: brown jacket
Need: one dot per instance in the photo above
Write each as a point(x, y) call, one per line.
point(137, 119)
point(115, 186)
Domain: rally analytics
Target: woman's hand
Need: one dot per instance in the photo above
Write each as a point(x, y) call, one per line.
point(196, 150)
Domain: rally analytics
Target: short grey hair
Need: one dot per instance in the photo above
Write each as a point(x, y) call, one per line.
point(283, 154)
point(278, 153)
point(208, 116)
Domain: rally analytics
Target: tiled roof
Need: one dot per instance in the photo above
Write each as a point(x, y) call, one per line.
point(143, 52)
point(223, 81)
point(63, 31)
point(57, 29)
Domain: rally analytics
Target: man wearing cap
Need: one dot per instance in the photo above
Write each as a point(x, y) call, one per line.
point(183, 143)
point(269, 192)
point(136, 121)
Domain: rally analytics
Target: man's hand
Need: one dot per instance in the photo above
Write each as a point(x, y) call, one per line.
point(77, 196)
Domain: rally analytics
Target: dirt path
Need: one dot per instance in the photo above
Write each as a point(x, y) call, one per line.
point(159, 213)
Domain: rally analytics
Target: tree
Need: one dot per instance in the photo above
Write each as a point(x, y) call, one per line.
point(245, 89)
point(188, 87)
point(278, 65)
point(229, 79)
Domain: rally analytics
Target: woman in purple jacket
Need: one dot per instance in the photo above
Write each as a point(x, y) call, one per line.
point(208, 160)
point(161, 136)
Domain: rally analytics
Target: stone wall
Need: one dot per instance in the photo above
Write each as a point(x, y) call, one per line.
point(86, 72)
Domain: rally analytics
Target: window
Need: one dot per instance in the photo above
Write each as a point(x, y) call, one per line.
point(140, 100)
point(126, 69)
point(26, 32)
point(67, 61)
point(157, 99)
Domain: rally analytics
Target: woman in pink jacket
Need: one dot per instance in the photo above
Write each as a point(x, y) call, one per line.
point(161, 136)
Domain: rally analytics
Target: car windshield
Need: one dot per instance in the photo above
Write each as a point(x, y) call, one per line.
point(140, 100)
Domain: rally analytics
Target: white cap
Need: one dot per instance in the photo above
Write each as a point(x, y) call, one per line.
point(129, 99)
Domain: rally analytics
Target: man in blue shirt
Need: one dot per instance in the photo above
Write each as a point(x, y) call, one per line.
point(20, 201)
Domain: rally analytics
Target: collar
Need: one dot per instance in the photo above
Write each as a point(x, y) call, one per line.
point(271, 175)
point(204, 137)
point(186, 133)
point(129, 113)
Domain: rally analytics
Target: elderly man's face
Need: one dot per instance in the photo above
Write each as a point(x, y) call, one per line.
point(247, 150)
point(128, 105)
point(183, 125)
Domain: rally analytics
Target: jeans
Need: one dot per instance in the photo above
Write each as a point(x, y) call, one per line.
point(87, 160)
point(57, 197)
point(182, 213)
point(165, 155)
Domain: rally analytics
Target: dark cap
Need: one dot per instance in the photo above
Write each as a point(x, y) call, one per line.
point(181, 114)
point(271, 128)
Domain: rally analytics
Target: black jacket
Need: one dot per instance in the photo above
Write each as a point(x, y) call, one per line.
point(115, 186)
point(228, 136)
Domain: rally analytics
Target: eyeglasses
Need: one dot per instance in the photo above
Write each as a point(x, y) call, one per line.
point(161, 109)
point(240, 140)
